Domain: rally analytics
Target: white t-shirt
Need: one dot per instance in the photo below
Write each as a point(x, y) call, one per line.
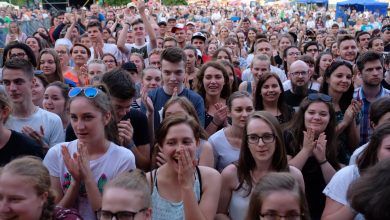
point(338, 186)
point(144, 49)
point(357, 153)
point(116, 160)
point(108, 48)
point(51, 123)
point(313, 85)
point(248, 76)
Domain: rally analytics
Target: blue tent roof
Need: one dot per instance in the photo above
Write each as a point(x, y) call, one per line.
point(369, 5)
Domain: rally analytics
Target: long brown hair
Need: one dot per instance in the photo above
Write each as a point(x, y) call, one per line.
point(58, 71)
point(246, 163)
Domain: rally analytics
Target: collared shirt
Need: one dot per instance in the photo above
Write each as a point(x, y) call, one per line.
point(365, 129)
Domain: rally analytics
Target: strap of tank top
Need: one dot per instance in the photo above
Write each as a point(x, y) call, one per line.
point(200, 182)
point(153, 180)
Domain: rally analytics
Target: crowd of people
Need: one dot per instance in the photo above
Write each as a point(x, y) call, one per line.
point(184, 112)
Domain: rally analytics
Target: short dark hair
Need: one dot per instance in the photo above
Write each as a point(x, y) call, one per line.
point(22, 46)
point(95, 24)
point(358, 35)
point(344, 38)
point(368, 56)
point(308, 44)
point(137, 21)
point(20, 64)
point(119, 83)
point(173, 55)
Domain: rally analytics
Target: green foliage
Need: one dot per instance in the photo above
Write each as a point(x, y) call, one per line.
point(174, 2)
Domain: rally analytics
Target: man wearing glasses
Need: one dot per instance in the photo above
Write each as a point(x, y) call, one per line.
point(300, 78)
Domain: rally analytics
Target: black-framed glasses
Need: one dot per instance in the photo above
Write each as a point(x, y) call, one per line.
point(89, 92)
point(319, 96)
point(121, 215)
point(299, 73)
point(276, 216)
point(18, 55)
point(266, 138)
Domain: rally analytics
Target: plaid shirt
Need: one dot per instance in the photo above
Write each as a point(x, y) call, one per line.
point(365, 129)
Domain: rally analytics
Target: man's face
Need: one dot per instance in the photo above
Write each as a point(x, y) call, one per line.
point(363, 41)
point(18, 86)
point(245, 25)
point(264, 48)
point(121, 107)
point(198, 44)
point(386, 36)
point(299, 74)
point(191, 27)
point(111, 16)
point(168, 44)
point(94, 9)
point(94, 34)
point(130, 37)
point(312, 51)
point(180, 35)
point(163, 29)
point(139, 31)
point(372, 73)
point(154, 60)
point(191, 58)
point(172, 74)
point(348, 50)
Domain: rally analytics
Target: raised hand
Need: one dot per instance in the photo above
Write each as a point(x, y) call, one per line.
point(319, 150)
point(125, 132)
point(71, 164)
point(220, 116)
point(308, 140)
point(186, 169)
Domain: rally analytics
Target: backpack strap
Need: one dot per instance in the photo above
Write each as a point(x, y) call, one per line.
point(200, 182)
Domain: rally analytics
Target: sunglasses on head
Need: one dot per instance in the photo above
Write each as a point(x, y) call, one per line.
point(319, 96)
point(89, 92)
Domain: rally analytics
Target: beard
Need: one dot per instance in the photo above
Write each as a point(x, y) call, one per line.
point(299, 90)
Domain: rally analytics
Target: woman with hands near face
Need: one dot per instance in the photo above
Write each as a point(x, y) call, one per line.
point(180, 189)
point(310, 147)
point(80, 169)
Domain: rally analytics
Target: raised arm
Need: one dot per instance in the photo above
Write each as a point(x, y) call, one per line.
point(148, 26)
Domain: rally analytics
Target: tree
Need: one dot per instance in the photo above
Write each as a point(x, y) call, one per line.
point(174, 2)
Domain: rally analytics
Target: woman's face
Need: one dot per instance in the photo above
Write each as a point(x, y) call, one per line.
point(325, 61)
point(292, 55)
point(42, 31)
point(79, 55)
point(284, 43)
point(273, 40)
point(14, 28)
point(86, 41)
point(54, 101)
point(174, 109)
point(19, 199)
point(260, 151)
point(151, 79)
point(37, 91)
point(109, 23)
point(87, 120)
point(222, 55)
point(191, 58)
point(384, 148)
point(317, 117)
point(240, 110)
point(213, 81)
point(122, 200)
point(340, 80)
point(259, 67)
point(378, 45)
point(231, 76)
point(211, 49)
point(329, 41)
point(106, 35)
point(138, 63)
point(62, 55)
point(241, 38)
point(180, 136)
point(110, 62)
point(251, 35)
point(282, 203)
point(224, 32)
point(33, 44)
point(335, 50)
point(232, 45)
point(47, 64)
point(270, 91)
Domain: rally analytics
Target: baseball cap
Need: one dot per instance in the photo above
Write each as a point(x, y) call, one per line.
point(129, 66)
point(162, 23)
point(178, 27)
point(131, 4)
point(198, 35)
point(190, 23)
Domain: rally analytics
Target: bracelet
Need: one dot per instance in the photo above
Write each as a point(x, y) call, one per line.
point(323, 162)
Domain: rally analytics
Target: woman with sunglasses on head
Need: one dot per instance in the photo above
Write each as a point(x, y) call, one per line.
point(127, 196)
point(337, 83)
point(262, 152)
point(79, 169)
point(213, 85)
point(180, 189)
point(310, 143)
point(269, 97)
point(337, 205)
point(49, 63)
point(277, 196)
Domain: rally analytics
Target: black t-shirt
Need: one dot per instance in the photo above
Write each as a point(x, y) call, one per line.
point(19, 145)
point(139, 122)
point(385, 84)
point(295, 100)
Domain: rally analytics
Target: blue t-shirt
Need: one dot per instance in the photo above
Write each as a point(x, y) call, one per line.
point(159, 98)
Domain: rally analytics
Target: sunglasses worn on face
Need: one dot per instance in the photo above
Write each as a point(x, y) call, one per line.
point(89, 92)
point(319, 96)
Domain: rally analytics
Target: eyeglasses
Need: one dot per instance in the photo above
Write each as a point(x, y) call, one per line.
point(275, 216)
point(89, 92)
point(302, 73)
point(319, 96)
point(122, 215)
point(294, 53)
point(266, 138)
point(19, 55)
